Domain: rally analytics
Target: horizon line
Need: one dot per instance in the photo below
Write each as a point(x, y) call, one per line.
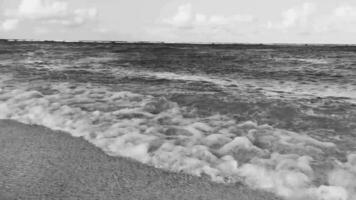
point(166, 42)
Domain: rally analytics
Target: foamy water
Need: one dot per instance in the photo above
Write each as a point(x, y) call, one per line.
point(295, 139)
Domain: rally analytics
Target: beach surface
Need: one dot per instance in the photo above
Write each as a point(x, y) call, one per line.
point(39, 163)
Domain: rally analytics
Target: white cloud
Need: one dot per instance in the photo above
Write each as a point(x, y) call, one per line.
point(307, 22)
point(51, 12)
point(296, 17)
point(39, 9)
point(186, 24)
point(299, 15)
point(81, 15)
point(307, 19)
point(346, 12)
point(77, 17)
point(9, 24)
point(185, 17)
point(342, 19)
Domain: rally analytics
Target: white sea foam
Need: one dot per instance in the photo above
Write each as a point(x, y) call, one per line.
point(158, 132)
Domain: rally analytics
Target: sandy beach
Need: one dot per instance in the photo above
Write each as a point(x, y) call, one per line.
point(38, 163)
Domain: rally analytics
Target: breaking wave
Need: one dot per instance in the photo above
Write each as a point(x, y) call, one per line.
point(159, 132)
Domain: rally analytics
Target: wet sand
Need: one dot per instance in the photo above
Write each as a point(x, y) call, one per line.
point(39, 163)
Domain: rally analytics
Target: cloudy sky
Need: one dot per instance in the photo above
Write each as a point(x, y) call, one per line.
point(253, 21)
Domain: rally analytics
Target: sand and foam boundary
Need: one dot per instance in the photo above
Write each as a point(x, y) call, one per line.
point(39, 163)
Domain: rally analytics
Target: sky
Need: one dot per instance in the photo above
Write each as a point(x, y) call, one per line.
point(230, 21)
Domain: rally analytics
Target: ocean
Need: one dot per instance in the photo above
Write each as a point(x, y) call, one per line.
point(280, 118)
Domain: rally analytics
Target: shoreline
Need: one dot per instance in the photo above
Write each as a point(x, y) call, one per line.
point(39, 163)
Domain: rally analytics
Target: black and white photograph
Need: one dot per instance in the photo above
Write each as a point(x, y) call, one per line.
point(177, 100)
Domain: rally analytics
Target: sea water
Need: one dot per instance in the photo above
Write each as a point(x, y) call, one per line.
point(274, 117)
